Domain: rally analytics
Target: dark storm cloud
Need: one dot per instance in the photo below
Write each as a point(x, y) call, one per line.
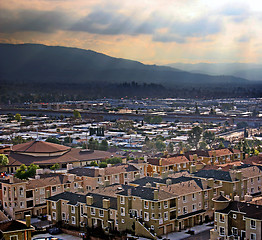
point(112, 23)
point(28, 20)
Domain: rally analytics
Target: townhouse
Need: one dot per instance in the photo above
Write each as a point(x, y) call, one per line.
point(28, 197)
point(241, 181)
point(171, 163)
point(236, 220)
point(217, 156)
point(95, 177)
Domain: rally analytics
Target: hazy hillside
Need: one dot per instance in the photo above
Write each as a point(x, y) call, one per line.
point(39, 63)
point(248, 71)
point(32, 72)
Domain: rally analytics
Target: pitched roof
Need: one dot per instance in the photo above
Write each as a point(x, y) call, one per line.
point(72, 198)
point(250, 210)
point(74, 155)
point(216, 174)
point(221, 198)
point(118, 168)
point(39, 147)
point(13, 225)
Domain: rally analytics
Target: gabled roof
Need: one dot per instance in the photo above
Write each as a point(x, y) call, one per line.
point(250, 210)
point(72, 198)
point(216, 174)
point(221, 198)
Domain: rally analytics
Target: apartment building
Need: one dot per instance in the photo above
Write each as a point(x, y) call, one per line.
point(95, 177)
point(174, 163)
point(235, 182)
point(217, 156)
point(28, 197)
point(236, 220)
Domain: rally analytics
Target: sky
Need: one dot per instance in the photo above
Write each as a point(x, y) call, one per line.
point(150, 31)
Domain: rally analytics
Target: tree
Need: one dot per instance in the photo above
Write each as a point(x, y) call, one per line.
point(212, 111)
point(160, 145)
point(55, 166)
point(203, 145)
point(53, 140)
point(209, 138)
point(3, 160)
point(25, 172)
point(246, 148)
point(76, 114)
point(197, 110)
point(93, 144)
point(93, 163)
point(221, 145)
point(18, 117)
point(103, 165)
point(194, 136)
point(170, 147)
point(104, 145)
point(18, 140)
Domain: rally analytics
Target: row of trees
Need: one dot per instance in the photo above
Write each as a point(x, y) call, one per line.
point(93, 144)
point(105, 162)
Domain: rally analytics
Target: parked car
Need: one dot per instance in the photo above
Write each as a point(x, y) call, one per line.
point(54, 230)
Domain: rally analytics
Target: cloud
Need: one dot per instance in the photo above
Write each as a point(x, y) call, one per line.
point(236, 13)
point(243, 39)
point(32, 20)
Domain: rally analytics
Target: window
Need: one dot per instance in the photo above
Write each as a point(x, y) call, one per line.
point(252, 236)
point(159, 215)
point(54, 189)
point(165, 216)
point(93, 212)
point(42, 191)
point(53, 205)
point(22, 204)
point(63, 216)
point(234, 231)
point(221, 231)
point(214, 192)
point(215, 214)
point(193, 196)
point(234, 216)
point(206, 194)
point(252, 180)
point(14, 237)
point(122, 200)
point(253, 224)
point(184, 198)
point(21, 192)
point(146, 204)
point(72, 209)
point(81, 209)
point(199, 205)
point(221, 218)
point(73, 220)
point(152, 227)
point(165, 204)
point(76, 185)
point(153, 206)
point(179, 210)
point(101, 213)
point(258, 179)
point(54, 215)
point(123, 220)
point(153, 216)
point(146, 216)
point(159, 205)
point(206, 205)
point(194, 207)
point(122, 211)
point(36, 190)
point(125, 175)
point(184, 210)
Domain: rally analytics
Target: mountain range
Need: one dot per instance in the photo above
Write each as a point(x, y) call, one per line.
point(51, 71)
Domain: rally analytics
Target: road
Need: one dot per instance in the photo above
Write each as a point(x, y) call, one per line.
point(205, 235)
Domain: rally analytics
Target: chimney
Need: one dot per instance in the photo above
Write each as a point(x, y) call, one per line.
point(248, 198)
point(155, 194)
point(39, 171)
point(137, 176)
point(236, 198)
point(28, 220)
point(168, 181)
point(11, 179)
point(148, 185)
point(155, 174)
point(71, 177)
point(192, 168)
point(89, 200)
point(195, 157)
point(129, 191)
point(106, 183)
point(106, 203)
point(124, 161)
point(145, 158)
point(239, 175)
point(164, 175)
point(210, 182)
point(69, 166)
